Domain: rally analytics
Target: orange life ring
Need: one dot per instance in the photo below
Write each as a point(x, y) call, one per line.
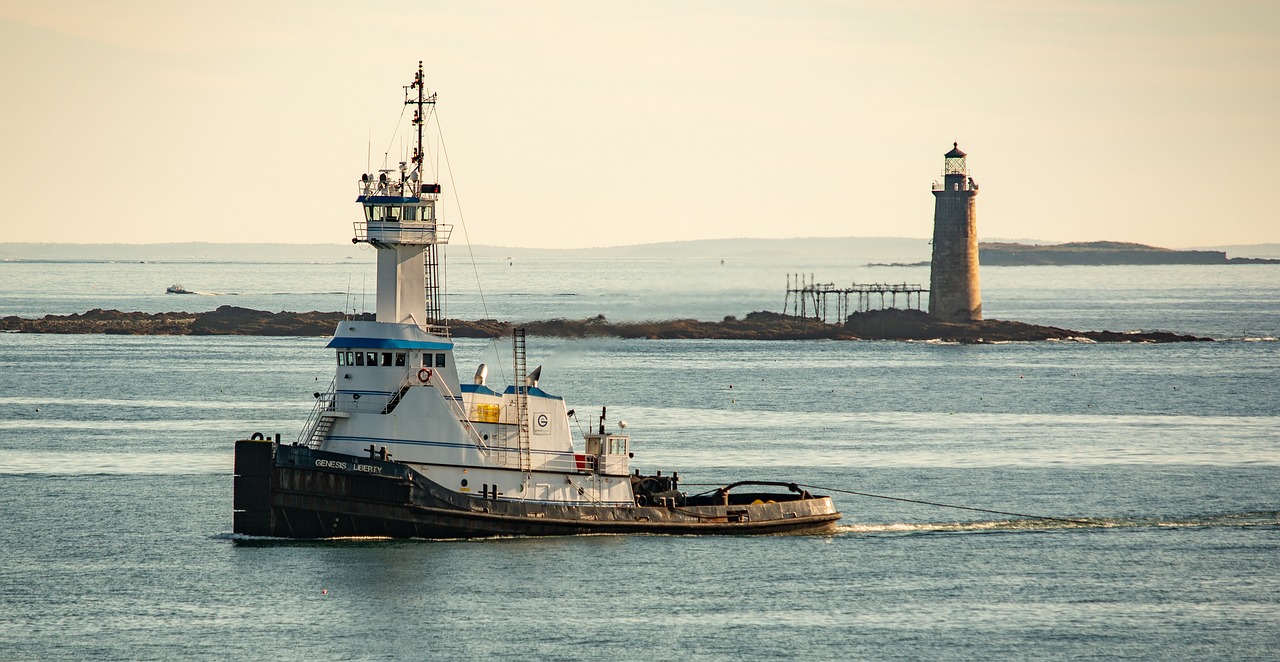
point(424, 375)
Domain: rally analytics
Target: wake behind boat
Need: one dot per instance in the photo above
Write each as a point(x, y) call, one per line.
point(400, 446)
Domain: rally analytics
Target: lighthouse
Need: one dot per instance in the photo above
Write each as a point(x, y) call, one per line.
point(953, 273)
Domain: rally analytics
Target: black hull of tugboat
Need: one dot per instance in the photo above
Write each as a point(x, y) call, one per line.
point(295, 492)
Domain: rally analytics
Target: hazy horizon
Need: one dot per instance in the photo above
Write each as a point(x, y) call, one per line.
point(572, 123)
point(874, 249)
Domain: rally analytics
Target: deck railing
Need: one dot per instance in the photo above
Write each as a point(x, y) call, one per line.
point(454, 403)
point(404, 232)
point(324, 403)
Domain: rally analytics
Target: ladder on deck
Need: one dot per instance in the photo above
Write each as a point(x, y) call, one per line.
point(522, 400)
point(395, 399)
point(318, 424)
point(321, 430)
point(434, 322)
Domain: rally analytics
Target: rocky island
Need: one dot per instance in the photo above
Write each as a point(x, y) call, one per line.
point(1100, 253)
point(895, 324)
point(1089, 253)
point(890, 324)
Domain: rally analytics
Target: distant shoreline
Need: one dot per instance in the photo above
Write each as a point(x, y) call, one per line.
point(1101, 253)
point(873, 325)
point(1095, 253)
point(803, 250)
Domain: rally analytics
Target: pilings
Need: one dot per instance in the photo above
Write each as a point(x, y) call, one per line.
point(807, 298)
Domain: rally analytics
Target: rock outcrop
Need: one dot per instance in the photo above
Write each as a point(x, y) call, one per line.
point(894, 324)
point(995, 254)
point(880, 324)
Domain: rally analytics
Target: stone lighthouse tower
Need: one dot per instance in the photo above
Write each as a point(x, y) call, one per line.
point(953, 272)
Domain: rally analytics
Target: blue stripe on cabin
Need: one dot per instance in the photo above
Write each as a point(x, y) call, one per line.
point(535, 392)
point(387, 343)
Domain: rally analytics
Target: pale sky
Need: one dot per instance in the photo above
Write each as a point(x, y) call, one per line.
point(588, 123)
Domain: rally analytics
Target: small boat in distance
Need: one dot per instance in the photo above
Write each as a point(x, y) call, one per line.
point(177, 289)
point(398, 445)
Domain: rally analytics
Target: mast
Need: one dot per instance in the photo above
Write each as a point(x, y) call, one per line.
point(418, 119)
point(433, 304)
point(400, 221)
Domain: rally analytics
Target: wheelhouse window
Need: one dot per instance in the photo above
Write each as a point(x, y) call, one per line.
point(439, 360)
point(372, 359)
point(399, 359)
point(386, 359)
point(342, 358)
point(359, 358)
point(393, 213)
point(410, 213)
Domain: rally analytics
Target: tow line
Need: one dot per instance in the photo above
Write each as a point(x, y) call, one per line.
point(946, 505)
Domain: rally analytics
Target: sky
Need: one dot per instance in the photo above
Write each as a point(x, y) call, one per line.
point(574, 123)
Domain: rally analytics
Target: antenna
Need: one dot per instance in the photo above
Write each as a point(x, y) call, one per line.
point(419, 114)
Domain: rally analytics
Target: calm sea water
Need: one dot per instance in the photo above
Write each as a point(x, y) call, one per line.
point(1228, 301)
point(115, 462)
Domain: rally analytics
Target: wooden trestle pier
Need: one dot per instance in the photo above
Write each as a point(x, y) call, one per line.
point(807, 298)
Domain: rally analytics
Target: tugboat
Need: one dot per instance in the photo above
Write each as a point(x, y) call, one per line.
point(399, 446)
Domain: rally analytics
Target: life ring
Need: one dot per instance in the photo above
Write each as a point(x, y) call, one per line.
point(424, 375)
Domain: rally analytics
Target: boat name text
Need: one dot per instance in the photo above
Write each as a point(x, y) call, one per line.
point(354, 466)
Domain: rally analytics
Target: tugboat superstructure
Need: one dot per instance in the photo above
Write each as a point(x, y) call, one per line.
point(400, 445)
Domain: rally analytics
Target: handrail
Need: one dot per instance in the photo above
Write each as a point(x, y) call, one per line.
point(455, 403)
point(721, 491)
point(325, 402)
point(582, 491)
point(569, 463)
point(417, 232)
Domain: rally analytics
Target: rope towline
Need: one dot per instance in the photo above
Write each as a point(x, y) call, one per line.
point(946, 505)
